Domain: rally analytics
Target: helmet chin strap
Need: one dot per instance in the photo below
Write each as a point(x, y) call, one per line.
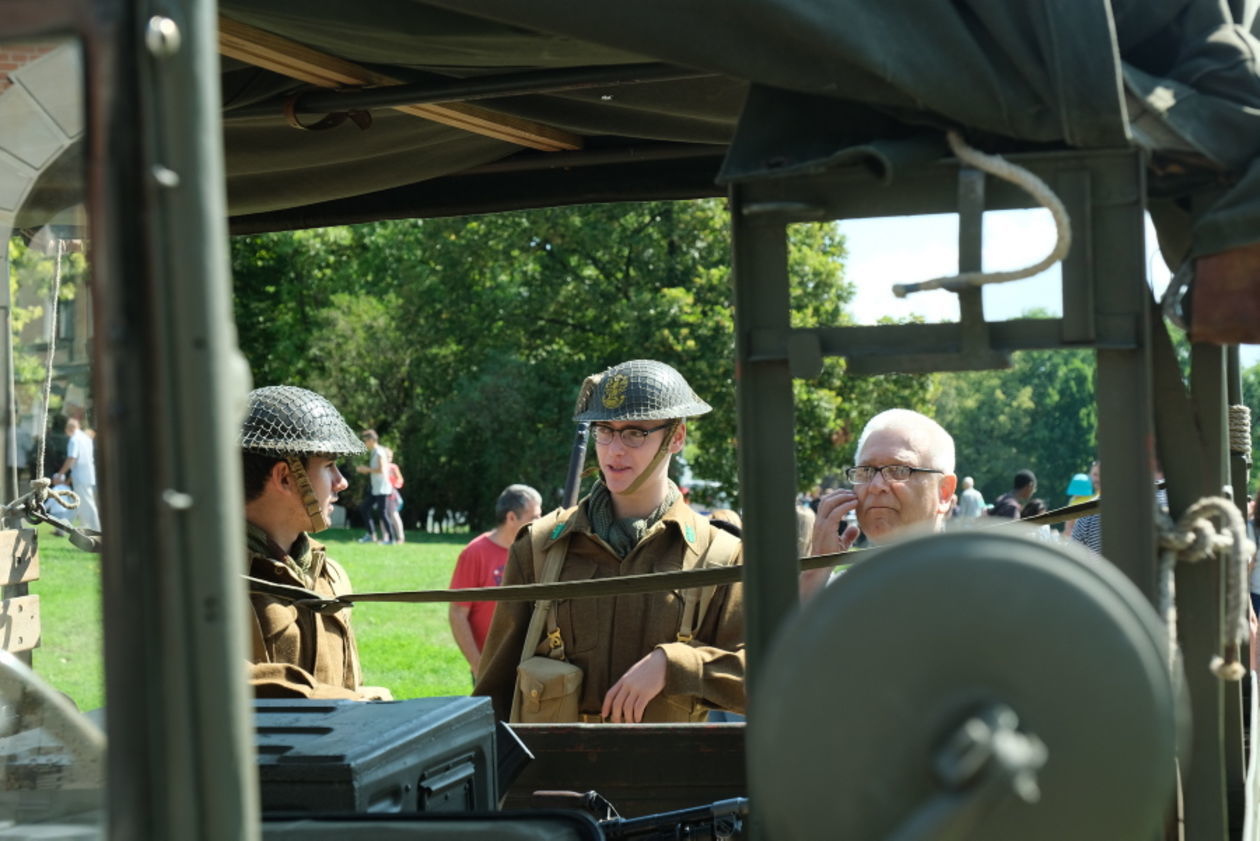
point(313, 509)
point(661, 452)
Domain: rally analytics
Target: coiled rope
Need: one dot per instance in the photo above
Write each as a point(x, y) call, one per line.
point(1240, 430)
point(999, 167)
point(1211, 528)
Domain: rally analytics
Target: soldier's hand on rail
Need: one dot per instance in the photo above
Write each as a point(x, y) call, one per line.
point(625, 702)
point(831, 533)
point(376, 693)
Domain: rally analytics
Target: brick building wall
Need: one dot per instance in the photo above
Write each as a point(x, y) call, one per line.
point(13, 56)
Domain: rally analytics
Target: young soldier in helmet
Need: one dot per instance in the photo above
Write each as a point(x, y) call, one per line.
point(290, 442)
point(651, 657)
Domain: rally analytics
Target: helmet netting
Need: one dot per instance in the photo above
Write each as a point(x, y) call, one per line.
point(285, 420)
point(642, 389)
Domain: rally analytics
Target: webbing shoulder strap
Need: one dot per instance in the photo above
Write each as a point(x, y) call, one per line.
point(547, 567)
point(716, 548)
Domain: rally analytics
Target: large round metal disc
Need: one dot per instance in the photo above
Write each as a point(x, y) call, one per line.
point(861, 689)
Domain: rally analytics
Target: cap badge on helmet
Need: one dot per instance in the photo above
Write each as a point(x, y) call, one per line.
point(615, 391)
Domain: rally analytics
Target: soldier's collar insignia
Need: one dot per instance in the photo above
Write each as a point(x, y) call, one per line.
point(558, 529)
point(689, 532)
point(615, 391)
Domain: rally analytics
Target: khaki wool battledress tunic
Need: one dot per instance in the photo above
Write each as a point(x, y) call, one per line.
point(296, 652)
point(605, 636)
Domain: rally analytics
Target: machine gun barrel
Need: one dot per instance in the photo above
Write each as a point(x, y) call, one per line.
point(577, 457)
point(722, 820)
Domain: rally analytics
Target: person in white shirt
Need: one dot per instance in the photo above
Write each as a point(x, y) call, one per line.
point(970, 501)
point(80, 468)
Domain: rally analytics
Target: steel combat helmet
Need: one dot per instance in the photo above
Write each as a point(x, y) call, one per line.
point(639, 390)
point(289, 423)
point(284, 420)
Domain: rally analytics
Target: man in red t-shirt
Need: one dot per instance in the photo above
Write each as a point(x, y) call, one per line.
point(481, 565)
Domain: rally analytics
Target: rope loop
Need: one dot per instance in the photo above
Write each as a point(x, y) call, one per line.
point(1213, 528)
point(999, 167)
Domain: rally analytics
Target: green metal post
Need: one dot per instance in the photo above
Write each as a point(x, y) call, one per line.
point(1199, 596)
point(1237, 474)
point(767, 472)
point(1209, 392)
point(171, 386)
point(1125, 388)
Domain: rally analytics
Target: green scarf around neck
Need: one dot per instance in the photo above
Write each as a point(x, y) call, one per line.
point(299, 558)
point(623, 534)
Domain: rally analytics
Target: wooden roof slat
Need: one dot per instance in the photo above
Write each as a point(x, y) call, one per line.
point(297, 61)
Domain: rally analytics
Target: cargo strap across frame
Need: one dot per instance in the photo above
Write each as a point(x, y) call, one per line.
point(1106, 305)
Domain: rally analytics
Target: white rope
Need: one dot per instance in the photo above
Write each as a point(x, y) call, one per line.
point(52, 349)
point(1240, 430)
point(1034, 186)
point(1213, 528)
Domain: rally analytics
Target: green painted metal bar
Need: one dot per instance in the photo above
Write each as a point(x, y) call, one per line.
point(1208, 392)
point(1240, 480)
point(1124, 391)
point(938, 347)
point(977, 351)
point(767, 471)
point(857, 193)
point(1200, 590)
point(1079, 323)
point(171, 384)
point(1234, 482)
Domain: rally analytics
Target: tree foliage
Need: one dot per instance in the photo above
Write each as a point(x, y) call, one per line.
point(463, 341)
point(1040, 414)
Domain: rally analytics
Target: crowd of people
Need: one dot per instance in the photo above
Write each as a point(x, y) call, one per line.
point(666, 656)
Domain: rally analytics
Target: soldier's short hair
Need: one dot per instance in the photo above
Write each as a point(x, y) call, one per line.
point(514, 498)
point(256, 469)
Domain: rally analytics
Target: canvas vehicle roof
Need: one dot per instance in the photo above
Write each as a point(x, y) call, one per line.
point(786, 85)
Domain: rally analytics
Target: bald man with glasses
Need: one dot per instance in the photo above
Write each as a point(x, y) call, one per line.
point(903, 479)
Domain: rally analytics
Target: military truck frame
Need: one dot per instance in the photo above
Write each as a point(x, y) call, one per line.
point(170, 382)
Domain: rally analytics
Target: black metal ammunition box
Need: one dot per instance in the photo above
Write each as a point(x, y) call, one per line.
point(421, 755)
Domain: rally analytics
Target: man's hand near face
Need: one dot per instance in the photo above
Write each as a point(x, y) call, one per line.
point(831, 535)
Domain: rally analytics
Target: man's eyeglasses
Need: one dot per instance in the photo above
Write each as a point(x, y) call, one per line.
point(892, 473)
point(631, 436)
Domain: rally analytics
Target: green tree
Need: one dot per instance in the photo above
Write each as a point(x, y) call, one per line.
point(464, 340)
point(1039, 414)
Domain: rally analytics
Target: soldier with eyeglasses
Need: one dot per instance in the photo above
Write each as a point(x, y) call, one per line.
point(641, 657)
point(903, 478)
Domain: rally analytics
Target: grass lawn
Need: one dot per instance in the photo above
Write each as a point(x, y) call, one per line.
point(405, 647)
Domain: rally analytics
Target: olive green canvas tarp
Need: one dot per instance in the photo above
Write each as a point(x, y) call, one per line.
point(805, 82)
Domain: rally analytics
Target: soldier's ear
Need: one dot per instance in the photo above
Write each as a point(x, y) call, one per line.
point(679, 438)
point(280, 478)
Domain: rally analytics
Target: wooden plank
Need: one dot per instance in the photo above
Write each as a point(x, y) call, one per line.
point(297, 61)
point(642, 769)
point(19, 623)
point(19, 560)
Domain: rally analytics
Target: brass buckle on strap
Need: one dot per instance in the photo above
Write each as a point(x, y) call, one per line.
point(684, 637)
point(553, 638)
